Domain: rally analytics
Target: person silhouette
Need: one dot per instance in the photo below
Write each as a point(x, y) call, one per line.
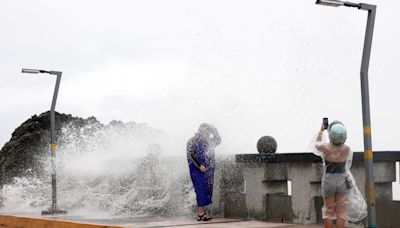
point(200, 152)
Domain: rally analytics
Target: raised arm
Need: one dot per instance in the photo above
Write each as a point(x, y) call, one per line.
point(316, 145)
point(321, 131)
point(216, 139)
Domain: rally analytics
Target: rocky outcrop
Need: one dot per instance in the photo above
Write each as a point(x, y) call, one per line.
point(28, 151)
point(29, 145)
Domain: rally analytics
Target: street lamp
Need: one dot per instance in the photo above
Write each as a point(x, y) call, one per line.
point(53, 209)
point(330, 3)
point(368, 154)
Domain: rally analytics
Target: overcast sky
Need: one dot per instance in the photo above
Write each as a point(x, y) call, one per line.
point(251, 68)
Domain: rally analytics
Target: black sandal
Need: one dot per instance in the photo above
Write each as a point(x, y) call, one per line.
point(203, 217)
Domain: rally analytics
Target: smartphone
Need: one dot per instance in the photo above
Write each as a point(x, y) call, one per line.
point(326, 122)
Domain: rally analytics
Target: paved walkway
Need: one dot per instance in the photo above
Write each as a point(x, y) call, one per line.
point(70, 221)
point(215, 223)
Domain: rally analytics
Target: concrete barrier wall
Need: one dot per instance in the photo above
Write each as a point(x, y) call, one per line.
point(255, 186)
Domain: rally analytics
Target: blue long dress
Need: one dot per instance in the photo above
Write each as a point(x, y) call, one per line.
point(201, 152)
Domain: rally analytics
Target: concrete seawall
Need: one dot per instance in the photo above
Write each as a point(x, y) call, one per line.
point(255, 186)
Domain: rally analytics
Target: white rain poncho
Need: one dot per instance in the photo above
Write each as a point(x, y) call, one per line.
point(339, 183)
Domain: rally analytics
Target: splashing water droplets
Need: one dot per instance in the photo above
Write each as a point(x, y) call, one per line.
point(112, 170)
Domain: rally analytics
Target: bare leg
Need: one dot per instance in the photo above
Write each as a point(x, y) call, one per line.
point(330, 210)
point(200, 211)
point(340, 210)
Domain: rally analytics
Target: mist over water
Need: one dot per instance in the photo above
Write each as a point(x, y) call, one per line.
point(119, 170)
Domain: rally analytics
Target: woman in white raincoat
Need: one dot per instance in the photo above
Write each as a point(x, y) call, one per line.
point(342, 199)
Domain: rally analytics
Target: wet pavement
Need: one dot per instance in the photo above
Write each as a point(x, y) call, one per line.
point(215, 223)
point(181, 222)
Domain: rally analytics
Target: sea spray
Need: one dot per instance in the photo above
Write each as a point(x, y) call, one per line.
point(113, 170)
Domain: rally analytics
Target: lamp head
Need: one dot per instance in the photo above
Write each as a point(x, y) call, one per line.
point(334, 3)
point(30, 71)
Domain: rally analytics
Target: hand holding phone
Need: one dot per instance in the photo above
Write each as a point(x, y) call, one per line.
point(325, 122)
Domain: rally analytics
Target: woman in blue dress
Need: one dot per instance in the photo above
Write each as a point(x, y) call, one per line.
point(201, 159)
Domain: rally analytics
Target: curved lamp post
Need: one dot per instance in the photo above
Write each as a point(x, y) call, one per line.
point(53, 209)
point(368, 154)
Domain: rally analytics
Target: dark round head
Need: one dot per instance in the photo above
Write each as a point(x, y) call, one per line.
point(266, 144)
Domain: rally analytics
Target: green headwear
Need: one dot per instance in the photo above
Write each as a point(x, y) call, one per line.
point(337, 133)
